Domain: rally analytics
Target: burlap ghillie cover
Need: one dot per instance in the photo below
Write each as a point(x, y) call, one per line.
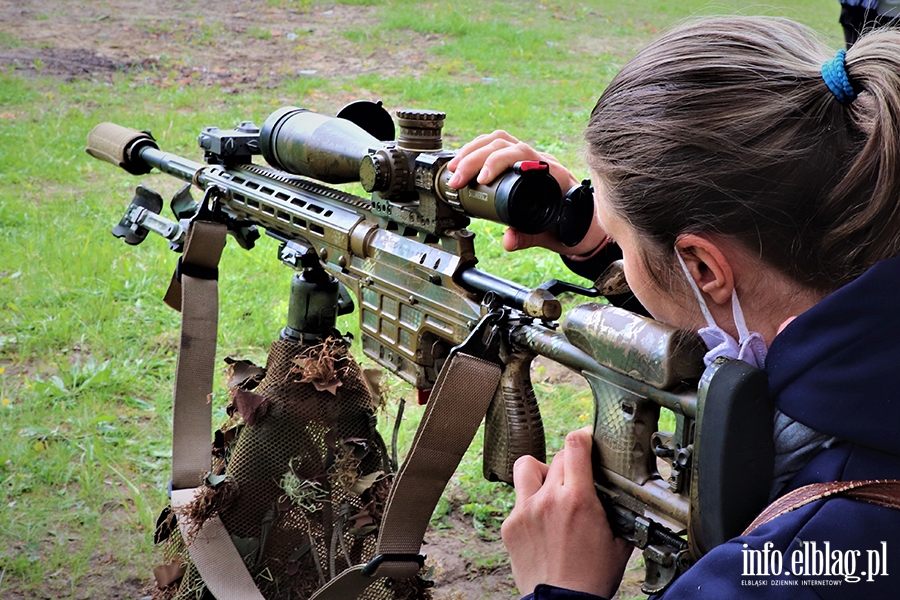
point(306, 476)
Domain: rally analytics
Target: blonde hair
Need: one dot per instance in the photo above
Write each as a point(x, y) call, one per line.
point(725, 126)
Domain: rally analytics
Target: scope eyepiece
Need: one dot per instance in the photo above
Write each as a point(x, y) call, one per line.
point(530, 202)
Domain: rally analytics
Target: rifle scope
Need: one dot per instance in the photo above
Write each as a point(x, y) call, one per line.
point(337, 150)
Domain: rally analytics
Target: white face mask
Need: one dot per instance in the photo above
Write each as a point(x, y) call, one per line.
point(751, 348)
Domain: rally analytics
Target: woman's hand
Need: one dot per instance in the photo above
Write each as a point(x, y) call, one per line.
point(558, 533)
point(488, 156)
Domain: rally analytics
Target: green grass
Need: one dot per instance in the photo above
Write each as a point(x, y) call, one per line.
point(87, 348)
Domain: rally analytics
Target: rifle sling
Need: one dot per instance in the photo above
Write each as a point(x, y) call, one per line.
point(874, 491)
point(217, 560)
point(196, 294)
point(463, 391)
point(199, 304)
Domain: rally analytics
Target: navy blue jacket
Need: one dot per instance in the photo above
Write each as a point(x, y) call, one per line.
point(836, 368)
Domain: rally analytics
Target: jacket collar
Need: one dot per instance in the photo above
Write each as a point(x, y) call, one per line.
point(836, 367)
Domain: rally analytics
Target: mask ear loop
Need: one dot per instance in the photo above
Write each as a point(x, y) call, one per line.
point(703, 307)
point(739, 322)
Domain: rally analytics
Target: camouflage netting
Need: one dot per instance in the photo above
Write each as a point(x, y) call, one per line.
point(304, 475)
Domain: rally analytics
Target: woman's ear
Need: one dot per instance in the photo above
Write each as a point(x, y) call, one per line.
point(708, 266)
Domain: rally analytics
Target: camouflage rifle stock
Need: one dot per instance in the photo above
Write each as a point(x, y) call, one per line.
point(407, 259)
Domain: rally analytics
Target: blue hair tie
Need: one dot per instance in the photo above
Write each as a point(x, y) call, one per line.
point(834, 72)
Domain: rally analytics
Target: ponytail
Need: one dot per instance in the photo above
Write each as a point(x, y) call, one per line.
point(865, 205)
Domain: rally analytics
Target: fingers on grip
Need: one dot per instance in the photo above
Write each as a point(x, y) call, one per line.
point(528, 477)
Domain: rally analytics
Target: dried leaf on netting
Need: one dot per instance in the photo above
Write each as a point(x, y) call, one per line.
point(292, 567)
point(166, 525)
point(364, 482)
point(375, 498)
point(209, 501)
point(215, 479)
point(372, 379)
point(358, 446)
point(414, 588)
point(361, 521)
point(166, 593)
point(363, 530)
point(300, 552)
point(169, 573)
point(331, 386)
point(243, 374)
point(361, 518)
point(233, 420)
point(323, 365)
point(249, 405)
point(218, 445)
point(223, 443)
point(345, 469)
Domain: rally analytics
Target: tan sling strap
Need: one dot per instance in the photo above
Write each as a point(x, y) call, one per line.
point(463, 391)
point(199, 304)
point(214, 555)
point(875, 491)
point(196, 295)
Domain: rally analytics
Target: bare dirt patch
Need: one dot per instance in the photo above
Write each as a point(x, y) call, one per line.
point(469, 564)
point(472, 564)
point(234, 45)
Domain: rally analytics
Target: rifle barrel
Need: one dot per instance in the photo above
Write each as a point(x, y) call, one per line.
point(169, 163)
point(512, 294)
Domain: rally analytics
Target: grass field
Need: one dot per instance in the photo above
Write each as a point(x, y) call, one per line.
point(87, 348)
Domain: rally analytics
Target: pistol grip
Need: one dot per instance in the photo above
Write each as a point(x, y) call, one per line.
point(513, 425)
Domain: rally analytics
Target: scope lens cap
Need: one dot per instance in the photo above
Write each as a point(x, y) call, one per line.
point(532, 203)
point(371, 117)
point(576, 214)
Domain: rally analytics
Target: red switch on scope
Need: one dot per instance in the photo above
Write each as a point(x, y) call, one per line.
point(531, 165)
